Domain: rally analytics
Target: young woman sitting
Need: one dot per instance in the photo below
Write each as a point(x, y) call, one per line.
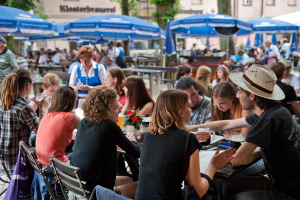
point(222, 74)
point(183, 71)
point(56, 128)
point(138, 97)
point(171, 154)
point(95, 151)
point(116, 79)
point(225, 106)
point(18, 120)
point(203, 76)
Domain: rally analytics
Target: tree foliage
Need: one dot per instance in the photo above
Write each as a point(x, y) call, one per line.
point(173, 8)
point(129, 6)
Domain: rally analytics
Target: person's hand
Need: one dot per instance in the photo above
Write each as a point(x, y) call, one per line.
point(202, 136)
point(266, 56)
point(131, 137)
point(85, 88)
point(219, 160)
point(78, 85)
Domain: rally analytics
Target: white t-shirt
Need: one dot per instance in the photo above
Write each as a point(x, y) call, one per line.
point(43, 59)
point(292, 80)
point(286, 47)
point(273, 50)
point(101, 73)
point(112, 52)
point(245, 59)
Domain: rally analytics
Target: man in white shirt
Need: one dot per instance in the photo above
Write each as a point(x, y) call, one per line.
point(271, 51)
point(245, 57)
point(288, 78)
point(43, 57)
point(285, 49)
point(113, 52)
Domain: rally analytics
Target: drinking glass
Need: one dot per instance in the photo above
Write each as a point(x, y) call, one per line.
point(143, 130)
point(211, 133)
point(236, 139)
point(121, 122)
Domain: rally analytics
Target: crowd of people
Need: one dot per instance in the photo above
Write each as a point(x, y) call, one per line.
point(252, 102)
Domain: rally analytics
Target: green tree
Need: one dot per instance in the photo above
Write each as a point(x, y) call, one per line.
point(128, 8)
point(16, 45)
point(224, 7)
point(165, 10)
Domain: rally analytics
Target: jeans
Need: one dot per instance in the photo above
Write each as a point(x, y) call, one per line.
point(103, 193)
point(254, 169)
point(250, 188)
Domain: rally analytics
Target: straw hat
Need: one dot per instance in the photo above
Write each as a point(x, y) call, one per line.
point(259, 80)
point(286, 63)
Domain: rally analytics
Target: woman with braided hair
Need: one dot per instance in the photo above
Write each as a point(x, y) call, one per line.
point(17, 119)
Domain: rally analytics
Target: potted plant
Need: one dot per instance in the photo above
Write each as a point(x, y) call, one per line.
point(133, 121)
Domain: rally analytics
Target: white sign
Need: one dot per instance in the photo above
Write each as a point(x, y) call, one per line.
point(212, 10)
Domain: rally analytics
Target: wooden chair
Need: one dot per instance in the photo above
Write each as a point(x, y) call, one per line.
point(32, 158)
point(7, 175)
point(69, 178)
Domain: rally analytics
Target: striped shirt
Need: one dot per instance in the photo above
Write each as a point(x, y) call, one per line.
point(16, 125)
point(8, 61)
point(22, 62)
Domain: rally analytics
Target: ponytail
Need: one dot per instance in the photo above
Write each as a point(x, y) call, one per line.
point(12, 85)
point(182, 70)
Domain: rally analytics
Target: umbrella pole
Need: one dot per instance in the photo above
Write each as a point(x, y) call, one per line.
point(164, 62)
point(227, 63)
point(115, 46)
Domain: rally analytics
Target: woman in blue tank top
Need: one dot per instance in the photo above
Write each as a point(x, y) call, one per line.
point(120, 59)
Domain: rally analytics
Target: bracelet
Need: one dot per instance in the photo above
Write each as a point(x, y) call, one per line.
point(207, 178)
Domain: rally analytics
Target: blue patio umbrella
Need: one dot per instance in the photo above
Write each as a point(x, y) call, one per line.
point(207, 43)
point(274, 39)
point(257, 42)
point(204, 25)
point(131, 44)
point(21, 23)
point(248, 45)
point(169, 46)
point(61, 35)
point(294, 44)
point(113, 26)
point(268, 25)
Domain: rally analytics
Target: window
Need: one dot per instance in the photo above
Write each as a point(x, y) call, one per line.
point(292, 3)
point(247, 2)
point(199, 2)
point(270, 2)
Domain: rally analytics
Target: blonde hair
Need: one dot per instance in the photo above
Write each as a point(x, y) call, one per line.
point(225, 73)
point(50, 79)
point(203, 74)
point(97, 105)
point(12, 85)
point(166, 112)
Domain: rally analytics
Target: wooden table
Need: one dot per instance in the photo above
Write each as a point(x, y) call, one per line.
point(41, 68)
point(37, 87)
point(154, 76)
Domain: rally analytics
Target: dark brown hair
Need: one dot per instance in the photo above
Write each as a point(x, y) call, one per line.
point(223, 90)
point(165, 113)
point(261, 102)
point(119, 74)
point(278, 68)
point(137, 94)
point(12, 85)
point(85, 51)
point(63, 100)
point(97, 105)
point(182, 70)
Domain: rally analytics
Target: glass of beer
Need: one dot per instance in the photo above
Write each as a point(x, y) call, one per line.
point(236, 139)
point(121, 122)
point(211, 133)
point(144, 128)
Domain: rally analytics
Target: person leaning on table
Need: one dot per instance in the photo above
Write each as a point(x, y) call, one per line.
point(273, 130)
point(88, 75)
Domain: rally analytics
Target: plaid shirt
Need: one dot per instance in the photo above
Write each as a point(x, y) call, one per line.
point(16, 125)
point(8, 61)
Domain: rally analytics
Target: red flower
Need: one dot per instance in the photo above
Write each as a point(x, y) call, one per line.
point(134, 118)
point(137, 111)
point(129, 112)
point(139, 117)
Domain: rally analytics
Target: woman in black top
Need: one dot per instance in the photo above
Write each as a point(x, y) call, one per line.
point(164, 156)
point(95, 151)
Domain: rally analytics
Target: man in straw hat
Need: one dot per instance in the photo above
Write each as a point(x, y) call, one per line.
point(273, 130)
